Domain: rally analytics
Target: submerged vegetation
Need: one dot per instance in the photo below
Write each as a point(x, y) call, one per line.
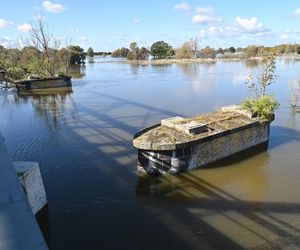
point(259, 103)
point(90, 52)
point(161, 50)
point(43, 56)
point(136, 53)
point(122, 52)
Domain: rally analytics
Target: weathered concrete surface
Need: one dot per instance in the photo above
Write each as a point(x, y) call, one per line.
point(31, 179)
point(185, 125)
point(218, 123)
point(18, 227)
point(166, 148)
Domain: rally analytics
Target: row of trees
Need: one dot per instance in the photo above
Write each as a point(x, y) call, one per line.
point(158, 50)
point(122, 52)
point(253, 50)
point(134, 53)
point(190, 49)
point(161, 50)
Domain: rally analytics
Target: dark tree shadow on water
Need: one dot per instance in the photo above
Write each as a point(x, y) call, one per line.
point(98, 201)
point(91, 187)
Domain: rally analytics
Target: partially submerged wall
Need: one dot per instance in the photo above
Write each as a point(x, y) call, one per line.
point(227, 145)
point(18, 227)
point(202, 153)
point(181, 144)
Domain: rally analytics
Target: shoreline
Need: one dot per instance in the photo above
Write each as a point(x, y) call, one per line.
point(199, 60)
point(179, 61)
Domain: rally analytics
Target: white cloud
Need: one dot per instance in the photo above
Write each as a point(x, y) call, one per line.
point(206, 15)
point(206, 19)
point(53, 7)
point(297, 12)
point(219, 31)
point(182, 6)
point(250, 25)
point(26, 27)
point(5, 23)
point(136, 21)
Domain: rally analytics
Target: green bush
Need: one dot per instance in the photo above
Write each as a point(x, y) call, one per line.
point(15, 73)
point(263, 106)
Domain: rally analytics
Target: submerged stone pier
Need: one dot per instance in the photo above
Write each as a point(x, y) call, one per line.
point(182, 144)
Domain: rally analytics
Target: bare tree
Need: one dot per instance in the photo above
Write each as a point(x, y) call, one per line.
point(266, 76)
point(49, 58)
point(185, 51)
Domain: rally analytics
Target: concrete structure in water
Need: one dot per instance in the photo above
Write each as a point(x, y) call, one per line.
point(40, 85)
point(18, 227)
point(31, 179)
point(181, 144)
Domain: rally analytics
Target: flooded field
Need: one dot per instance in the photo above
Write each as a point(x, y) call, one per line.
point(97, 200)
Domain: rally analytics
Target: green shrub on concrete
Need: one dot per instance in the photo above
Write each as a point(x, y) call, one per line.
point(263, 106)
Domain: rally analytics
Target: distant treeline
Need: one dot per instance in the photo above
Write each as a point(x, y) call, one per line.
point(102, 53)
point(191, 49)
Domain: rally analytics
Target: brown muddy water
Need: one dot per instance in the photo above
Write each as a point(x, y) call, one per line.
point(97, 200)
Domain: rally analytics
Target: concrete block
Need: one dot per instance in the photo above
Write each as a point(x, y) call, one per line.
point(185, 125)
point(194, 127)
point(30, 177)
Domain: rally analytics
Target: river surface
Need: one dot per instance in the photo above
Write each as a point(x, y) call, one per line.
point(96, 198)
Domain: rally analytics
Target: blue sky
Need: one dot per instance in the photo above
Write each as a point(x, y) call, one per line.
point(107, 25)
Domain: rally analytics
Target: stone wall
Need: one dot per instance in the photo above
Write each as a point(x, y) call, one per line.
point(227, 145)
point(204, 152)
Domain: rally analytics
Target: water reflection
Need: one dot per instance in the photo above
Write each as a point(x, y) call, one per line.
point(221, 214)
point(287, 61)
point(91, 59)
point(201, 75)
point(135, 69)
point(51, 106)
point(83, 141)
point(77, 71)
point(251, 64)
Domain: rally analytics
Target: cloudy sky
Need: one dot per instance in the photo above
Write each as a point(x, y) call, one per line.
point(107, 25)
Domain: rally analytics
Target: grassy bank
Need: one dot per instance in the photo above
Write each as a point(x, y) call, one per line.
point(181, 61)
point(201, 60)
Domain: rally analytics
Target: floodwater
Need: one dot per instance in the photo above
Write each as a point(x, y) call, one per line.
point(97, 200)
